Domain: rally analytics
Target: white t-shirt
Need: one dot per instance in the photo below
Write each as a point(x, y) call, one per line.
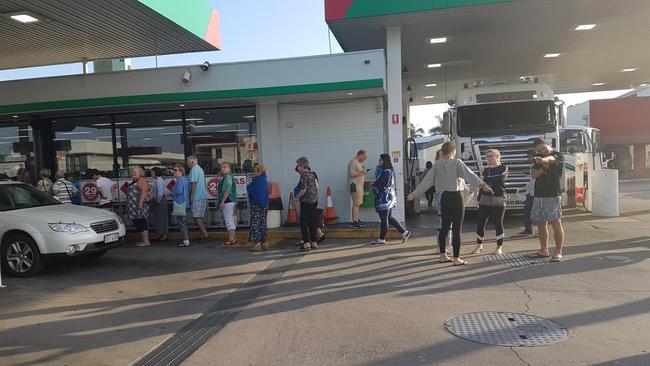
point(106, 186)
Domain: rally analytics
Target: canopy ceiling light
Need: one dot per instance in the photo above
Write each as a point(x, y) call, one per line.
point(551, 55)
point(582, 27)
point(24, 17)
point(438, 40)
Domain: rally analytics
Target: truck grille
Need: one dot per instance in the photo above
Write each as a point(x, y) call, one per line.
point(514, 155)
point(104, 226)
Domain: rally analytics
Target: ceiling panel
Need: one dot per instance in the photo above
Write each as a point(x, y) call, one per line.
point(77, 30)
point(501, 42)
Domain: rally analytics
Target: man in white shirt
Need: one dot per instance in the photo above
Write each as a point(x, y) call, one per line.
point(105, 189)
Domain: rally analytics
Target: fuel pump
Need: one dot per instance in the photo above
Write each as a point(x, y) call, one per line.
point(411, 165)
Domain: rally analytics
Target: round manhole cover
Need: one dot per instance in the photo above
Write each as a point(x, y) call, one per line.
point(506, 329)
point(620, 258)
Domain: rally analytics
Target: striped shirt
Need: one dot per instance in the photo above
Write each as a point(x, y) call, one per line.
point(63, 190)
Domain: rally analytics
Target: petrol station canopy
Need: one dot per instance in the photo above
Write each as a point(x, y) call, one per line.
point(573, 45)
point(46, 32)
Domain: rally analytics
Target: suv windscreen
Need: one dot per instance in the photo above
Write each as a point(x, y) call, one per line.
point(18, 196)
point(496, 119)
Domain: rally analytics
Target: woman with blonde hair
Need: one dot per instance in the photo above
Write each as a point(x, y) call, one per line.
point(446, 176)
point(181, 198)
point(258, 194)
point(492, 204)
point(137, 199)
point(227, 200)
point(44, 183)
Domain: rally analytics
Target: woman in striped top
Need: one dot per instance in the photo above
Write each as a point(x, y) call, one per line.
point(446, 176)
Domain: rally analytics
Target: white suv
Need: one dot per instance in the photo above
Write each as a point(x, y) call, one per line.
point(34, 225)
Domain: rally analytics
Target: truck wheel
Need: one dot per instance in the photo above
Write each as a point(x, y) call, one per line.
point(20, 257)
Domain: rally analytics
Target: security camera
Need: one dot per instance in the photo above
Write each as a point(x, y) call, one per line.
point(205, 66)
point(187, 76)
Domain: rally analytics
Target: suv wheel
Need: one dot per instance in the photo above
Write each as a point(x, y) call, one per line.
point(20, 257)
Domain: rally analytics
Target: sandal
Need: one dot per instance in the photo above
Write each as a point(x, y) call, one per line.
point(536, 255)
point(479, 249)
point(460, 262)
point(231, 242)
point(445, 259)
point(256, 248)
point(265, 247)
point(142, 245)
point(182, 245)
point(556, 258)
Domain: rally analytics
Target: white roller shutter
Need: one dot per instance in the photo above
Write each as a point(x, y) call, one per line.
point(330, 135)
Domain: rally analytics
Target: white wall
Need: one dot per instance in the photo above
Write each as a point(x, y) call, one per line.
point(330, 134)
point(220, 77)
point(576, 114)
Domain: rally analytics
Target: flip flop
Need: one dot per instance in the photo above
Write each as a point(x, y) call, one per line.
point(446, 260)
point(460, 263)
point(536, 255)
point(556, 258)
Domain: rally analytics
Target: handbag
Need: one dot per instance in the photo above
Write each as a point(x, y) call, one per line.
point(319, 218)
point(353, 187)
point(179, 209)
point(492, 200)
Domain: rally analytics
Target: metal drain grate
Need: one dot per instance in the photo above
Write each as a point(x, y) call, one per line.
point(620, 258)
point(515, 260)
point(192, 336)
point(506, 329)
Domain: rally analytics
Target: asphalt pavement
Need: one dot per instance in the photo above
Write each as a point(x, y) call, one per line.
point(348, 303)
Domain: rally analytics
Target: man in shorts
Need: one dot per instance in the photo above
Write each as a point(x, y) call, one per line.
point(356, 179)
point(198, 195)
point(547, 204)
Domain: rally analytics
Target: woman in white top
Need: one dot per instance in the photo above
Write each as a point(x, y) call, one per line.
point(447, 175)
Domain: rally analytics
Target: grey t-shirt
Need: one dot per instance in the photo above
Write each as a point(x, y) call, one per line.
point(446, 176)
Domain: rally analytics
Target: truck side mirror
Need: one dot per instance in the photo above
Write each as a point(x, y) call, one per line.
point(446, 123)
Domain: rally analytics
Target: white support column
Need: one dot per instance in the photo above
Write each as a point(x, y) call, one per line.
point(395, 113)
point(268, 127)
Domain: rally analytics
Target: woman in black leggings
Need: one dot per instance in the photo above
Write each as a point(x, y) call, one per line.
point(492, 204)
point(446, 176)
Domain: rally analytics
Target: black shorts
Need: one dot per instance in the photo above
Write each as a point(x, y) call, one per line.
point(140, 225)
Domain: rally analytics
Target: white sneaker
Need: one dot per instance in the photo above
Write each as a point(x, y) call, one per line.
point(378, 242)
point(405, 236)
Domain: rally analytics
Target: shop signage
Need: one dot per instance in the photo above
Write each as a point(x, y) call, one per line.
point(212, 187)
point(89, 192)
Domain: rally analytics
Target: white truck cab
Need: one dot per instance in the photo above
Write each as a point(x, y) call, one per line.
point(508, 118)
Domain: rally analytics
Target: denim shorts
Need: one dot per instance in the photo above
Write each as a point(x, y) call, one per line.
point(547, 209)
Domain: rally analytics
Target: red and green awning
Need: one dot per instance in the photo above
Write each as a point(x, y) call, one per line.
point(350, 9)
point(195, 16)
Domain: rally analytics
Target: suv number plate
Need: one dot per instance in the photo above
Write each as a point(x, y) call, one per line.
point(110, 238)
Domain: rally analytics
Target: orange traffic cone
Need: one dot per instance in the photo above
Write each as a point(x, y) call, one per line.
point(292, 216)
point(330, 214)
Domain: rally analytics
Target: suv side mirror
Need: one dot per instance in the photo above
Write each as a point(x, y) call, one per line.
point(446, 123)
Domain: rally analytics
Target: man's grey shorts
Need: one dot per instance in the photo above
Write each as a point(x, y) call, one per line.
point(546, 209)
point(198, 208)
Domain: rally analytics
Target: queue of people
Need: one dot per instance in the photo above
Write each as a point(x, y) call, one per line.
point(443, 183)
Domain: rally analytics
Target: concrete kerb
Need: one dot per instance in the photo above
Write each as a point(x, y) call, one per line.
point(275, 236)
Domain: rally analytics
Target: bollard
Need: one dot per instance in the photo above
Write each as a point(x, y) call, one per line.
point(604, 193)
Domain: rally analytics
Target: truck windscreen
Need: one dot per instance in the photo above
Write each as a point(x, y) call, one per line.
point(531, 117)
